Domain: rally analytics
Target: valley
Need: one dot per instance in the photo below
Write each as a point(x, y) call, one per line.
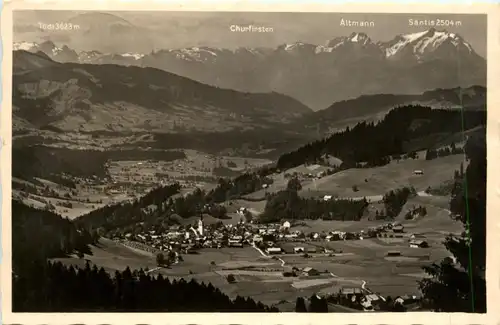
point(360, 261)
point(246, 179)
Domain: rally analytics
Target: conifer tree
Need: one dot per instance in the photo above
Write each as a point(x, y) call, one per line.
point(461, 287)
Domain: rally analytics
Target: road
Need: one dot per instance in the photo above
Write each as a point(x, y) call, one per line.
point(281, 260)
point(152, 270)
point(267, 256)
point(378, 198)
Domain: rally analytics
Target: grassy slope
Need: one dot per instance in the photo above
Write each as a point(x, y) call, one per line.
point(383, 179)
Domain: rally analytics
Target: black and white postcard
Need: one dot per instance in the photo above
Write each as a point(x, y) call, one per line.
point(256, 163)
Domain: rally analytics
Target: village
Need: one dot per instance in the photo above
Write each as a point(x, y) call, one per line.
point(276, 242)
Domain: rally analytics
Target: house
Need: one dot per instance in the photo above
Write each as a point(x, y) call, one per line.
point(273, 250)
point(235, 243)
point(291, 237)
point(350, 292)
point(298, 250)
point(398, 228)
point(419, 244)
point(327, 198)
point(406, 299)
point(286, 224)
point(338, 235)
point(309, 271)
point(258, 239)
point(373, 299)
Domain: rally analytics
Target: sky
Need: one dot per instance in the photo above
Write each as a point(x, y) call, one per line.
point(186, 29)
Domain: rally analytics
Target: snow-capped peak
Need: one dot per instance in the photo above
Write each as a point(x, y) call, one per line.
point(361, 38)
point(26, 46)
point(289, 47)
point(136, 56)
point(424, 42)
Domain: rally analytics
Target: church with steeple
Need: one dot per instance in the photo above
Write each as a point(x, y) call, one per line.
point(200, 226)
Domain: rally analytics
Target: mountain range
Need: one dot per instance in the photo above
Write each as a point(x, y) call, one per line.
point(89, 97)
point(317, 75)
point(115, 98)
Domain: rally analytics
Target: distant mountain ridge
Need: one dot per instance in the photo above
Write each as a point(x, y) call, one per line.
point(113, 98)
point(317, 75)
point(88, 97)
point(374, 107)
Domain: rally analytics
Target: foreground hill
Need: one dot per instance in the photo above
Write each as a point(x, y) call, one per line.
point(40, 235)
point(88, 97)
point(404, 130)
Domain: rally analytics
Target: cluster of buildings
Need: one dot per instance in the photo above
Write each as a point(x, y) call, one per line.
point(270, 240)
point(189, 239)
point(366, 300)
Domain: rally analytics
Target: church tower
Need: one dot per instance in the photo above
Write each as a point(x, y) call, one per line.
point(200, 226)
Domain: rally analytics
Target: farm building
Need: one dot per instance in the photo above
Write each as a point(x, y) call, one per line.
point(372, 298)
point(291, 237)
point(418, 172)
point(309, 271)
point(406, 299)
point(298, 250)
point(258, 239)
point(273, 250)
point(235, 243)
point(393, 253)
point(351, 292)
point(416, 236)
point(419, 244)
point(337, 235)
point(398, 228)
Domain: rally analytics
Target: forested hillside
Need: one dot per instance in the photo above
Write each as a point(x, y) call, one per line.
point(402, 131)
point(42, 286)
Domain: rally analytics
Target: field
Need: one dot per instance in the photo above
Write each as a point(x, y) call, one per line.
point(260, 277)
point(354, 264)
point(269, 287)
point(66, 201)
point(113, 256)
point(129, 179)
point(365, 260)
point(379, 180)
point(279, 184)
point(253, 206)
point(371, 183)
